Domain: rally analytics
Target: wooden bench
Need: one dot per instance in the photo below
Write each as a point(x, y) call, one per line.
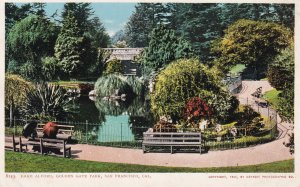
point(171, 139)
point(64, 131)
point(44, 145)
point(12, 143)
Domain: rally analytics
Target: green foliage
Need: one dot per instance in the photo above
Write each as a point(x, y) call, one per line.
point(13, 67)
point(46, 101)
point(163, 48)
point(281, 71)
point(136, 85)
point(253, 43)
point(187, 78)
point(286, 103)
point(281, 76)
point(49, 68)
point(114, 66)
point(145, 18)
point(68, 47)
point(108, 85)
point(16, 89)
point(28, 41)
point(199, 24)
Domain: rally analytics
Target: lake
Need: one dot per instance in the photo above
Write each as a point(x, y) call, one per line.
point(110, 121)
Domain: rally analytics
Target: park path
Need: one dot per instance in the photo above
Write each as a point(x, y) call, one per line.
point(265, 153)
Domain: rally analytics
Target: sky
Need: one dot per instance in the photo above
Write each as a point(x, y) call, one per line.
point(113, 15)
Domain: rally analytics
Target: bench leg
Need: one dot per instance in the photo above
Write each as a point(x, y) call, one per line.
point(200, 149)
point(70, 152)
point(171, 149)
point(14, 143)
point(144, 149)
point(41, 146)
point(20, 142)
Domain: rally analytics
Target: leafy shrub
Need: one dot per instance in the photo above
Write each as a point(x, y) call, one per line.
point(109, 84)
point(196, 109)
point(187, 78)
point(250, 120)
point(16, 89)
point(50, 68)
point(13, 67)
point(137, 87)
point(114, 66)
point(46, 101)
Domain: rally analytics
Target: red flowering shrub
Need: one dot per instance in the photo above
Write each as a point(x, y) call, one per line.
point(196, 109)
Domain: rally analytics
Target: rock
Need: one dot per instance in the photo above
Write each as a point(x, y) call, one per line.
point(92, 93)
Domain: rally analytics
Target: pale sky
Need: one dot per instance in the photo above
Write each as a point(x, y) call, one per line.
point(113, 15)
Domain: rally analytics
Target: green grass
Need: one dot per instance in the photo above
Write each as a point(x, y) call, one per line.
point(25, 162)
point(272, 97)
point(237, 68)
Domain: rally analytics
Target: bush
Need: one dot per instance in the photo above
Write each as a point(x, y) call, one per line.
point(114, 66)
point(137, 87)
point(50, 69)
point(46, 101)
point(109, 84)
point(196, 109)
point(187, 78)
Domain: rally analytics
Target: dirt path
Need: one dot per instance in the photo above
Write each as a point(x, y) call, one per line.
point(269, 152)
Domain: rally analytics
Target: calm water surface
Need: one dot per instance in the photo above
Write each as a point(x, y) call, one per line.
point(112, 121)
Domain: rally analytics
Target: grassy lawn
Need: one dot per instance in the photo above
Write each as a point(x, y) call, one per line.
point(272, 97)
point(237, 68)
point(25, 162)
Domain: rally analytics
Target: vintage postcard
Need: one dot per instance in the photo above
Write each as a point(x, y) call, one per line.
point(149, 93)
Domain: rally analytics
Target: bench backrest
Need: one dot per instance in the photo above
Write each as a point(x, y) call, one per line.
point(172, 136)
point(66, 129)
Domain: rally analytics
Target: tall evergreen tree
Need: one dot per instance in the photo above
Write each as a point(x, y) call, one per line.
point(199, 24)
point(81, 12)
point(164, 47)
point(39, 9)
point(145, 18)
point(68, 47)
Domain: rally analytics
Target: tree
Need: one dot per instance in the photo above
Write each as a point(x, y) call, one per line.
point(253, 43)
point(31, 39)
point(285, 14)
point(281, 76)
point(199, 24)
point(279, 13)
point(16, 90)
point(187, 78)
point(163, 48)
point(68, 47)
point(39, 9)
point(81, 12)
point(99, 36)
point(146, 17)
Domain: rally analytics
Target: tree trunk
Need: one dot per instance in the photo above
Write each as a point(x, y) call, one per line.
point(11, 115)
